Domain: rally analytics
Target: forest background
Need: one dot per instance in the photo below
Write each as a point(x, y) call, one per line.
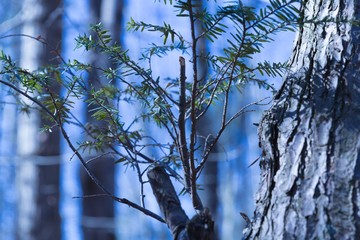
point(232, 184)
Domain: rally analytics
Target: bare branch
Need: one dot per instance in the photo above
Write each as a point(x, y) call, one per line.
point(184, 154)
point(196, 201)
point(222, 129)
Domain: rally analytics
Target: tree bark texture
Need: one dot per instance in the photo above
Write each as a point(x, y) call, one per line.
point(168, 200)
point(311, 135)
point(199, 227)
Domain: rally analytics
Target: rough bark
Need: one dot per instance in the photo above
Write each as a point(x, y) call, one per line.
point(199, 227)
point(38, 176)
point(311, 135)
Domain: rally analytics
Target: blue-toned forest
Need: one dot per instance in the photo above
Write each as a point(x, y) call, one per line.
point(45, 193)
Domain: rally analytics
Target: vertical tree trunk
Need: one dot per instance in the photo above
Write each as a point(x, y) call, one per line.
point(98, 213)
point(38, 176)
point(210, 172)
point(311, 135)
point(8, 128)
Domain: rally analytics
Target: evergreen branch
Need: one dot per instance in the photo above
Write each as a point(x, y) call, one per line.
point(83, 162)
point(138, 70)
point(166, 30)
point(277, 6)
point(212, 27)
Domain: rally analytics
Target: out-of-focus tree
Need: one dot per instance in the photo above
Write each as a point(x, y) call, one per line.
point(38, 169)
point(98, 212)
point(9, 24)
point(209, 178)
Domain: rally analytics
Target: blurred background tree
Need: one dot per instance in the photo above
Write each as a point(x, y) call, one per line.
point(99, 222)
point(37, 171)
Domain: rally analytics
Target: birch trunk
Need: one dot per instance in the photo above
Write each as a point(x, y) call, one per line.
point(311, 135)
point(37, 175)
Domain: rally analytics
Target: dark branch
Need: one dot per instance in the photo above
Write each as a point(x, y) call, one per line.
point(168, 200)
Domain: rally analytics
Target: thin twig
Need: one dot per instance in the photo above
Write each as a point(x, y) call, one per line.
point(221, 130)
point(142, 195)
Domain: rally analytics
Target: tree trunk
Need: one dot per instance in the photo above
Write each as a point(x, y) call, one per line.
point(98, 213)
point(38, 176)
point(210, 172)
point(311, 135)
